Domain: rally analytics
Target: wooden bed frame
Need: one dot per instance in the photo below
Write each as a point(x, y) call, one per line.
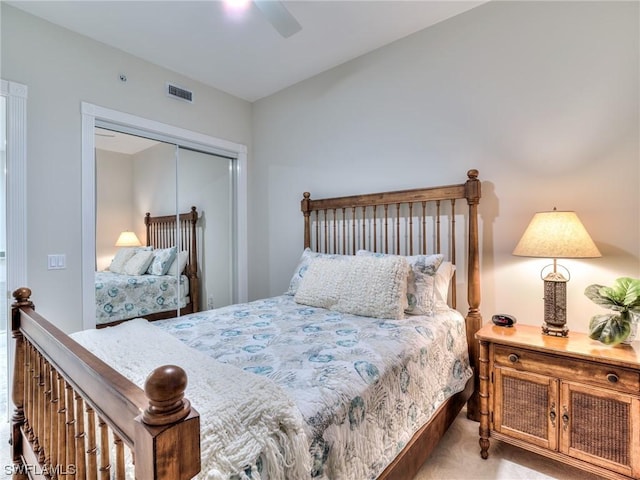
point(409, 222)
point(69, 404)
point(161, 232)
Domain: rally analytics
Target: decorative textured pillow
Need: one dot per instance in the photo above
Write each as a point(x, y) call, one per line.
point(420, 281)
point(122, 257)
point(178, 264)
point(303, 264)
point(443, 277)
point(162, 260)
point(368, 286)
point(138, 264)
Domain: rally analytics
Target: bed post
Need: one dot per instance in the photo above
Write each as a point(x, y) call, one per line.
point(304, 206)
point(167, 433)
point(474, 318)
point(194, 284)
point(22, 299)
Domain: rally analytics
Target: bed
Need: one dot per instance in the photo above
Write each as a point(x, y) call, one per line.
point(51, 368)
point(132, 291)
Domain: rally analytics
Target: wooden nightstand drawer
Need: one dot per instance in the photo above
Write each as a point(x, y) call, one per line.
point(592, 373)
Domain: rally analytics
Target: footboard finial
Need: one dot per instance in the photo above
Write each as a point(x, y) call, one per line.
point(165, 388)
point(22, 297)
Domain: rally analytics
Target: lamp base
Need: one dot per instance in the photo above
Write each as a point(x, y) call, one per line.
point(555, 330)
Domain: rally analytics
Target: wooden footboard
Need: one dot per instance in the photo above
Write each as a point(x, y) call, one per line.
point(76, 417)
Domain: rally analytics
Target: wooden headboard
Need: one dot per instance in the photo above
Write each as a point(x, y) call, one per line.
point(407, 222)
point(161, 232)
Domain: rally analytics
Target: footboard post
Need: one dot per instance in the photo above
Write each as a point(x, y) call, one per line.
point(167, 433)
point(22, 299)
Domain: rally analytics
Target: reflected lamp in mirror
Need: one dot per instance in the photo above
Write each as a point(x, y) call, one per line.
point(128, 239)
point(556, 235)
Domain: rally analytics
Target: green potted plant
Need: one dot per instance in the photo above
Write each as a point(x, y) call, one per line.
point(623, 298)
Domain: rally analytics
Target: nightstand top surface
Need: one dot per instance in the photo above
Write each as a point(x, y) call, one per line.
point(577, 344)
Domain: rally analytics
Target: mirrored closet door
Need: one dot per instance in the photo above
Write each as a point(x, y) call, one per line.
point(136, 176)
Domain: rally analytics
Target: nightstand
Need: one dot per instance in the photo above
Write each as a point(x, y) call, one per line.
point(572, 399)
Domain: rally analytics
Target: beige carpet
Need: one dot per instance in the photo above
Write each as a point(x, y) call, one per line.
point(456, 457)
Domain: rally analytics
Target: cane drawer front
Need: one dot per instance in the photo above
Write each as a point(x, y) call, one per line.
point(592, 373)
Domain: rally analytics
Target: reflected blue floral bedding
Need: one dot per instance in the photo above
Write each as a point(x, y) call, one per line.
point(363, 385)
point(120, 297)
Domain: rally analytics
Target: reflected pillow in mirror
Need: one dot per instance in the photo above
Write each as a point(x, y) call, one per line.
point(162, 260)
point(138, 264)
point(177, 266)
point(122, 257)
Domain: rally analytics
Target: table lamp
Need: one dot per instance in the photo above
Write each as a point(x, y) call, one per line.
point(556, 235)
point(128, 239)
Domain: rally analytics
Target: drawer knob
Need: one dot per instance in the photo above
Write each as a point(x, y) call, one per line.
point(612, 377)
point(513, 358)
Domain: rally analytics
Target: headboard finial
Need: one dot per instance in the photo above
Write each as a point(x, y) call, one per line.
point(306, 195)
point(472, 174)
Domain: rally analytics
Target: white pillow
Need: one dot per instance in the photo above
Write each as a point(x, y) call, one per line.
point(138, 264)
point(162, 260)
point(122, 257)
point(443, 277)
point(366, 286)
point(303, 264)
point(178, 264)
point(420, 281)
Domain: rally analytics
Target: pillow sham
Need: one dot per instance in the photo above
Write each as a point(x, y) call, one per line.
point(178, 264)
point(420, 281)
point(121, 258)
point(443, 277)
point(162, 260)
point(367, 286)
point(139, 263)
point(303, 264)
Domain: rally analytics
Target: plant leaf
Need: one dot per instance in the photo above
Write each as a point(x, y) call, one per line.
point(624, 294)
point(609, 329)
point(595, 294)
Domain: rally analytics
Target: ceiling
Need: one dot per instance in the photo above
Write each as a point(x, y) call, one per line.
point(242, 54)
point(114, 141)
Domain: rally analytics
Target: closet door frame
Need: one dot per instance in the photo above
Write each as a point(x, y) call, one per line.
point(92, 113)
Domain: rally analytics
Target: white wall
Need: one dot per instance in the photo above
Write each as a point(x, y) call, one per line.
point(62, 69)
point(114, 198)
point(541, 97)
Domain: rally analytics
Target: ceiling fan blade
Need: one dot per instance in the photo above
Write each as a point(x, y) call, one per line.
point(279, 17)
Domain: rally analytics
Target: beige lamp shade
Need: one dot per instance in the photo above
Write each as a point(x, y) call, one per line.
point(128, 239)
point(556, 235)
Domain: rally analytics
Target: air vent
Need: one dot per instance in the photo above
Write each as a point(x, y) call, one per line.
point(179, 93)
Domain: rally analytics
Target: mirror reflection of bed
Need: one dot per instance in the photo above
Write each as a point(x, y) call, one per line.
point(136, 176)
point(155, 279)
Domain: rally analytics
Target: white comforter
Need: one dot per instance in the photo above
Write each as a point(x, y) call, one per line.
point(243, 416)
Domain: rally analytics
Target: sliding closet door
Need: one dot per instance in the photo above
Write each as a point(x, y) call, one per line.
point(134, 175)
point(205, 181)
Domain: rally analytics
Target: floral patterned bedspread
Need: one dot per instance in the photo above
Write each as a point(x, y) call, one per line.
point(363, 385)
point(127, 296)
